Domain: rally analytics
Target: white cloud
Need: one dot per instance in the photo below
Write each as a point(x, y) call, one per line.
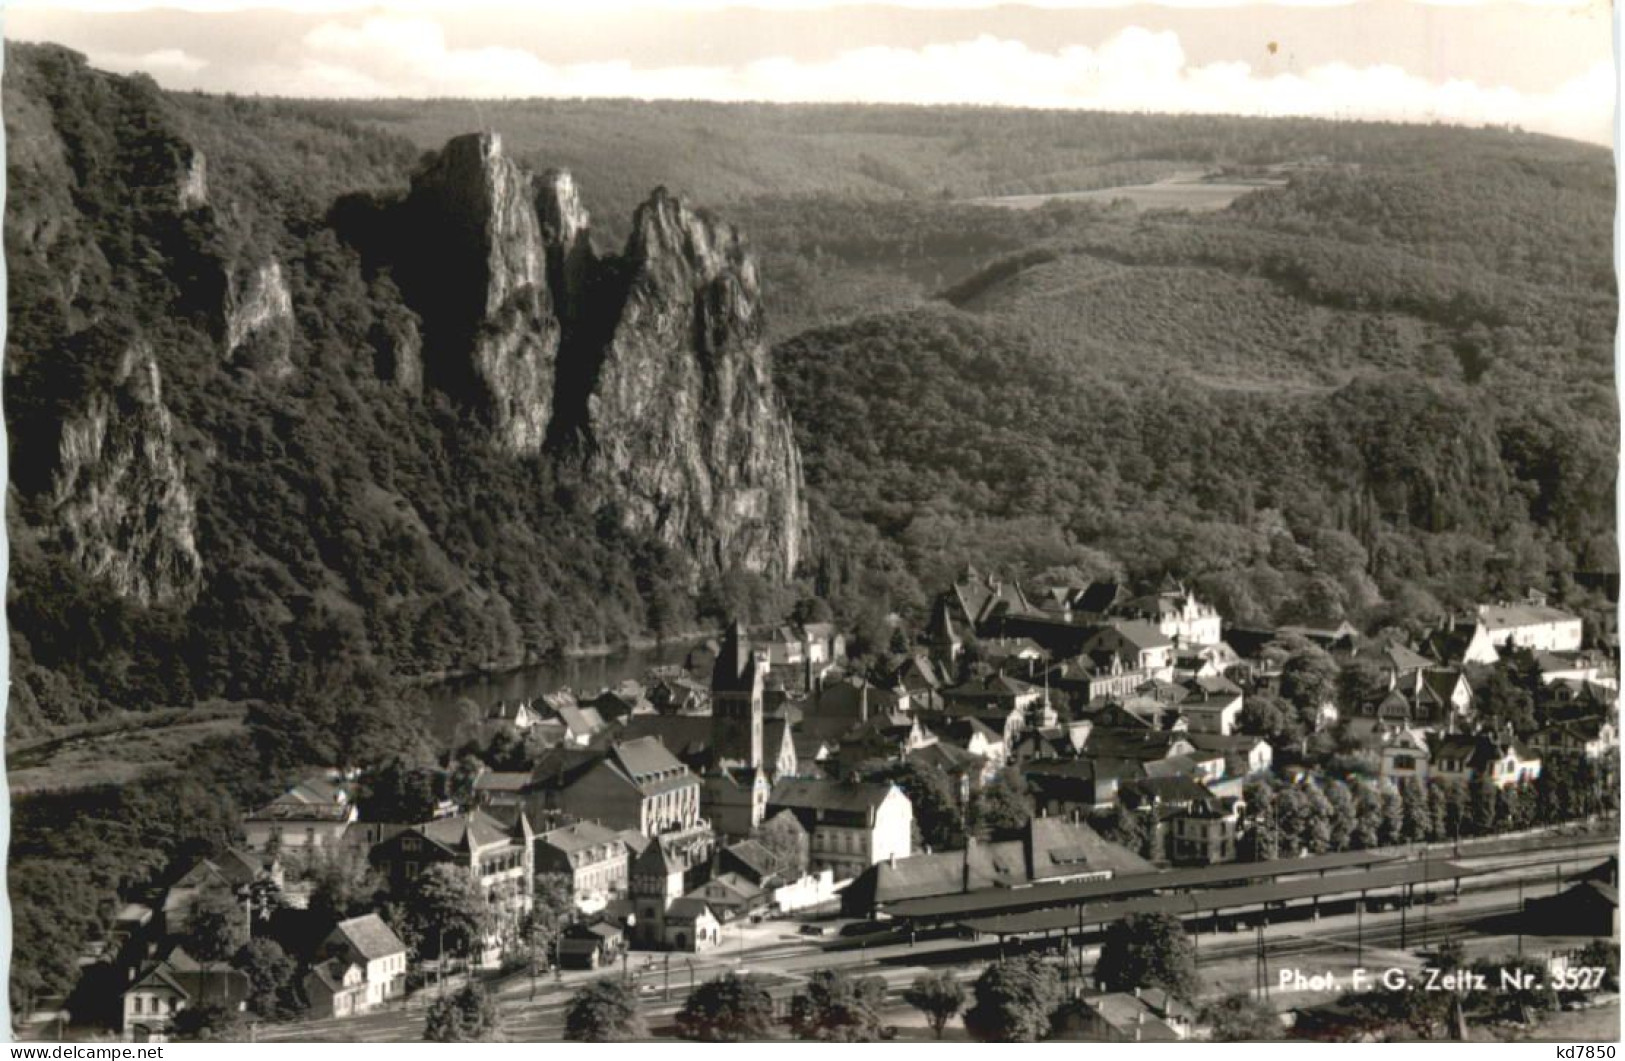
point(1135, 70)
point(160, 63)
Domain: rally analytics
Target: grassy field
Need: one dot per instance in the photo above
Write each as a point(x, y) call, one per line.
point(1187, 191)
point(115, 750)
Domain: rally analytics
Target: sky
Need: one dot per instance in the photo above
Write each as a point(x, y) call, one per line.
point(1544, 65)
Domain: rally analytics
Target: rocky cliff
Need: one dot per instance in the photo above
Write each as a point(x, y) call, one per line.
point(684, 431)
point(647, 371)
point(120, 497)
point(282, 390)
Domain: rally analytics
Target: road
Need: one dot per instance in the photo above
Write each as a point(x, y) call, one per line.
point(1332, 944)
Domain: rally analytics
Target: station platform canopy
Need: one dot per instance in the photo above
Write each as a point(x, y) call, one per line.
point(1196, 904)
point(993, 901)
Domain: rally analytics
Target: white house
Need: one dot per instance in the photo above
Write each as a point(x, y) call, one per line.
point(1532, 625)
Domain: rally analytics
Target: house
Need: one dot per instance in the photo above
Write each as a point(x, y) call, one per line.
point(1078, 786)
point(237, 872)
point(591, 855)
point(1204, 833)
point(314, 813)
point(174, 982)
point(920, 677)
point(1244, 755)
point(943, 638)
point(499, 858)
point(1141, 1016)
point(335, 988)
point(1531, 624)
point(1500, 760)
point(1211, 705)
point(691, 926)
point(635, 784)
point(1177, 615)
point(978, 602)
point(1143, 647)
point(1051, 850)
point(1591, 737)
point(1403, 752)
point(734, 799)
point(1461, 642)
point(1095, 677)
point(515, 714)
point(850, 824)
point(591, 944)
point(729, 896)
point(975, 737)
point(1574, 667)
point(669, 868)
point(369, 947)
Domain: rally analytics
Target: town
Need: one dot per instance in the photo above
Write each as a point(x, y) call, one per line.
point(1040, 813)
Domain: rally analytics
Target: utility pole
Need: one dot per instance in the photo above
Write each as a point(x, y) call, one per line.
point(1359, 930)
point(1520, 917)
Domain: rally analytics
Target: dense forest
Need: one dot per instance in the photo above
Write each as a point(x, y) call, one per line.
point(1379, 390)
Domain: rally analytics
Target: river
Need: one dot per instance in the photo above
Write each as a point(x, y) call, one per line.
point(585, 675)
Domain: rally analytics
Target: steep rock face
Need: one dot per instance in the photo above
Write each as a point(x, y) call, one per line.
point(685, 432)
point(121, 499)
point(259, 319)
point(571, 262)
point(192, 182)
point(648, 370)
point(478, 277)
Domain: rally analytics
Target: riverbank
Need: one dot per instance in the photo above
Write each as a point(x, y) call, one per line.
point(599, 650)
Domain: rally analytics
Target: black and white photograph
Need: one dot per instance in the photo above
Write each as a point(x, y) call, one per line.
point(845, 521)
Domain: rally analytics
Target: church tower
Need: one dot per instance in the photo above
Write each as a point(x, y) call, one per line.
point(736, 702)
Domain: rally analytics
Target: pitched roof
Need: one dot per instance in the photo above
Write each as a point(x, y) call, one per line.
point(466, 832)
point(369, 937)
point(578, 837)
point(1512, 616)
point(821, 794)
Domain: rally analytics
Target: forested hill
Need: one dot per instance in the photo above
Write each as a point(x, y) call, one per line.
point(293, 410)
point(1378, 385)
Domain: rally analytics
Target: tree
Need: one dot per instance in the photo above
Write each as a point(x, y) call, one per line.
point(1342, 819)
point(1308, 680)
point(1360, 683)
point(468, 1015)
point(1015, 1001)
point(552, 910)
point(1004, 806)
point(940, 996)
point(207, 1022)
point(1263, 828)
point(342, 883)
point(272, 978)
point(1392, 830)
point(1416, 813)
point(936, 811)
point(214, 928)
point(1316, 827)
point(785, 836)
point(401, 792)
point(1293, 817)
point(1241, 1018)
point(448, 910)
point(834, 1007)
point(604, 1011)
point(1120, 825)
point(1483, 801)
point(1266, 715)
point(733, 1008)
point(1148, 950)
